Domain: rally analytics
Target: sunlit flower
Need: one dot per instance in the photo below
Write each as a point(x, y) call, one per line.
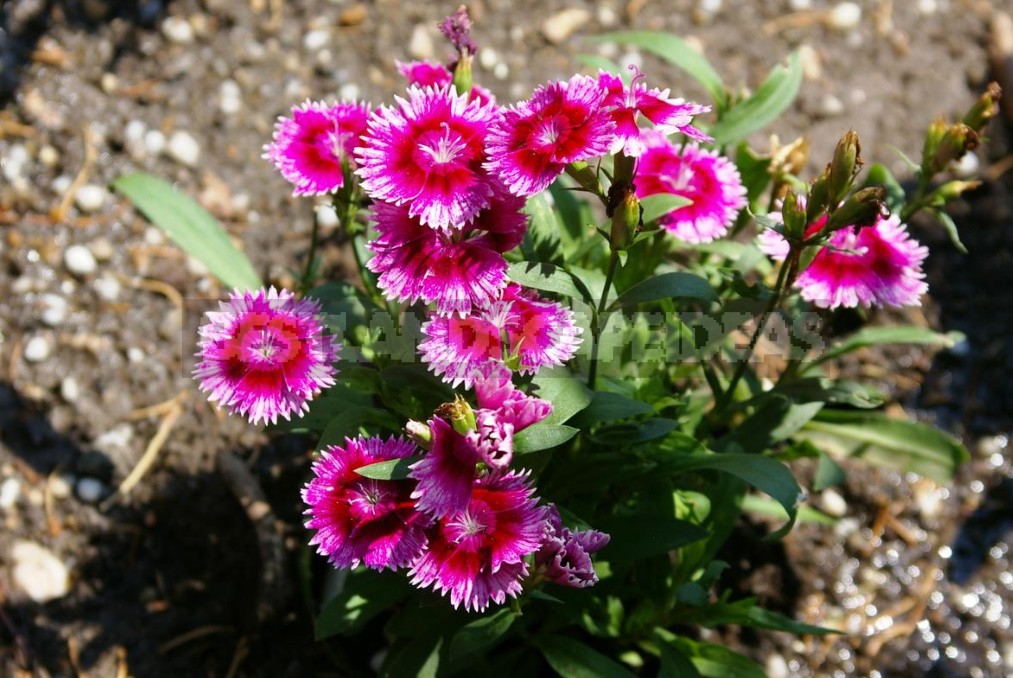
point(710, 180)
point(456, 270)
point(875, 265)
point(477, 555)
point(446, 473)
point(519, 323)
point(309, 147)
point(359, 519)
point(264, 354)
point(495, 390)
point(561, 123)
point(565, 555)
point(429, 74)
point(427, 153)
point(625, 103)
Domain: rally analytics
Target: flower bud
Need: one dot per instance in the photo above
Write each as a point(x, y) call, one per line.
point(958, 140)
point(582, 173)
point(953, 189)
point(819, 198)
point(625, 210)
point(985, 108)
point(846, 163)
point(459, 414)
point(933, 137)
point(420, 433)
point(863, 208)
point(462, 74)
point(793, 212)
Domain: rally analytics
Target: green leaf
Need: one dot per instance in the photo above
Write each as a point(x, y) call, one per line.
point(677, 285)
point(660, 204)
point(641, 536)
point(823, 389)
point(765, 506)
point(634, 433)
point(776, 419)
point(676, 52)
point(325, 407)
point(709, 660)
point(191, 227)
point(951, 229)
point(608, 406)
point(365, 594)
point(770, 100)
point(549, 278)
point(567, 394)
point(903, 445)
point(763, 473)
point(879, 175)
point(542, 437)
point(599, 62)
point(675, 664)
point(754, 170)
point(392, 469)
point(541, 239)
point(828, 474)
point(747, 613)
point(481, 633)
point(875, 336)
point(419, 657)
point(350, 422)
point(573, 659)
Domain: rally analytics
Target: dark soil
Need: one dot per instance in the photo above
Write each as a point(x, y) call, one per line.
point(167, 580)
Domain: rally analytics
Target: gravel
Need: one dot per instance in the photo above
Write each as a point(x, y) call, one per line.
point(38, 572)
point(79, 260)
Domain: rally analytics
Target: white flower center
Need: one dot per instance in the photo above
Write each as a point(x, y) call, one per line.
point(447, 147)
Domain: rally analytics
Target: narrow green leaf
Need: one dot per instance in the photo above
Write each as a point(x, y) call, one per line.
point(542, 238)
point(567, 394)
point(191, 227)
point(573, 659)
point(710, 660)
point(828, 474)
point(951, 229)
point(481, 633)
point(903, 445)
point(875, 336)
point(549, 278)
point(542, 437)
point(660, 204)
point(677, 285)
point(325, 407)
point(641, 536)
point(770, 100)
point(677, 52)
point(823, 389)
point(634, 433)
point(392, 469)
point(364, 595)
point(608, 406)
point(765, 506)
point(879, 175)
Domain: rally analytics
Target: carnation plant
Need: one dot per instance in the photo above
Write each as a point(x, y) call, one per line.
point(589, 329)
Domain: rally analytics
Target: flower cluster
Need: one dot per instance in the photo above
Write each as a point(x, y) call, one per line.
point(463, 523)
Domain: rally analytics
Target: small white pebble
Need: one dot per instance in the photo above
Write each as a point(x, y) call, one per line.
point(107, 287)
point(326, 216)
point(59, 486)
point(183, 148)
point(631, 58)
point(607, 16)
point(89, 490)
point(134, 131)
point(230, 97)
point(831, 106)
point(38, 348)
point(135, 355)
point(561, 25)
point(61, 184)
point(487, 57)
point(420, 45)
point(178, 30)
point(349, 92)
point(777, 667)
point(102, 248)
point(240, 203)
point(833, 503)
point(316, 40)
point(10, 490)
point(799, 5)
point(154, 142)
point(13, 162)
point(90, 197)
point(845, 16)
point(710, 7)
point(928, 6)
point(154, 235)
point(49, 156)
point(38, 572)
point(53, 309)
point(109, 83)
point(79, 260)
point(70, 390)
point(501, 71)
point(116, 439)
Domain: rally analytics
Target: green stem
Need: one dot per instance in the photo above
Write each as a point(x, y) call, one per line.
point(305, 281)
point(596, 319)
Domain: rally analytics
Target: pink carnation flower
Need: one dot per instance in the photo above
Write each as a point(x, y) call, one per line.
point(477, 555)
point(495, 390)
point(875, 265)
point(427, 152)
point(539, 332)
point(626, 102)
point(565, 556)
point(456, 270)
point(446, 473)
point(561, 123)
point(265, 354)
point(710, 180)
point(359, 519)
point(309, 147)
point(429, 74)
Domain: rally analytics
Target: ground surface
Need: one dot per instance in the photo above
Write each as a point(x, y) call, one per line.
point(161, 581)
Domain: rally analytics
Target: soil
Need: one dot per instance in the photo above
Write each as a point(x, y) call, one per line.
point(162, 581)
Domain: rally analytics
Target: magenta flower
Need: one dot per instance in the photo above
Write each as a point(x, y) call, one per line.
point(446, 473)
point(309, 148)
point(537, 331)
point(265, 354)
point(494, 390)
point(427, 152)
point(429, 74)
point(875, 265)
point(626, 102)
point(564, 556)
point(456, 270)
point(477, 555)
point(561, 123)
point(710, 180)
point(359, 519)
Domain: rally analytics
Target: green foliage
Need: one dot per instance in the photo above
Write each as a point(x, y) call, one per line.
point(770, 100)
point(191, 227)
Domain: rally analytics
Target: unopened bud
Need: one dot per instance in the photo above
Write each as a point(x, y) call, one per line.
point(819, 198)
point(462, 74)
point(793, 212)
point(985, 108)
point(459, 414)
point(862, 209)
point(586, 177)
point(843, 168)
point(954, 189)
point(420, 433)
point(625, 210)
point(933, 137)
point(958, 140)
